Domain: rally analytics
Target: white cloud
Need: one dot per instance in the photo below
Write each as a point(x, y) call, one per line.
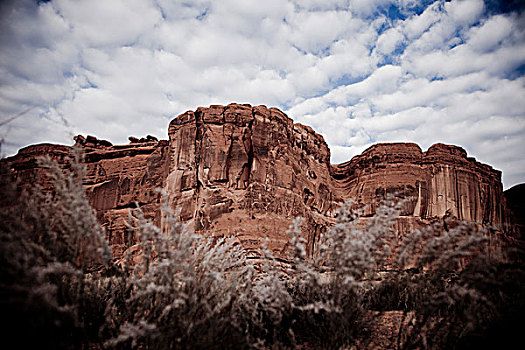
point(451, 72)
point(491, 34)
point(416, 25)
point(367, 7)
point(389, 41)
point(106, 23)
point(314, 31)
point(464, 12)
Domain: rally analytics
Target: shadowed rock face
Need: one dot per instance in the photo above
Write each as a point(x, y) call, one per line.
point(515, 197)
point(250, 171)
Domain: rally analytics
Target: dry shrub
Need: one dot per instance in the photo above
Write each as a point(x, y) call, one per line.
point(61, 289)
point(50, 245)
point(454, 286)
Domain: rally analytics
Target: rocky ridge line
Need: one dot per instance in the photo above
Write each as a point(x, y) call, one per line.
point(250, 171)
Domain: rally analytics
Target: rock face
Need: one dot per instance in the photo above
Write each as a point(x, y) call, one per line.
point(117, 177)
point(436, 181)
point(250, 171)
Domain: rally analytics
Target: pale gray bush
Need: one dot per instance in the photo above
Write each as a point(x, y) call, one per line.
point(51, 243)
point(188, 290)
point(450, 283)
point(328, 287)
point(61, 289)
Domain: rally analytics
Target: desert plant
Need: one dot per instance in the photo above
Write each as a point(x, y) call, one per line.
point(194, 291)
point(51, 244)
point(450, 283)
point(328, 288)
point(455, 285)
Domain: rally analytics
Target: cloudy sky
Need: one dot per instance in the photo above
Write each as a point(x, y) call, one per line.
point(357, 71)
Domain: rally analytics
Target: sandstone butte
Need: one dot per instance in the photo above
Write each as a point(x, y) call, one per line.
point(249, 171)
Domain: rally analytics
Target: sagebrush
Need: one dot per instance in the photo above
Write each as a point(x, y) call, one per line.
point(175, 290)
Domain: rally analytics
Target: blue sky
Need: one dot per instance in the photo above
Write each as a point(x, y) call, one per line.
point(357, 71)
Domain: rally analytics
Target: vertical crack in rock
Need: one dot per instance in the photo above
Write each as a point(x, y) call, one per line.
point(459, 201)
point(417, 207)
point(488, 207)
point(248, 141)
point(228, 162)
point(199, 135)
point(477, 209)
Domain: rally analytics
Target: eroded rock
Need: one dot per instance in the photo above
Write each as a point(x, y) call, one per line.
point(249, 171)
point(436, 181)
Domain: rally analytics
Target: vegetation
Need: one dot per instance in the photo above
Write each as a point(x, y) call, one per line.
point(453, 288)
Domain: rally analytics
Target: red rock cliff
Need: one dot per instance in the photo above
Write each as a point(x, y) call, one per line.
point(249, 171)
point(440, 179)
point(117, 177)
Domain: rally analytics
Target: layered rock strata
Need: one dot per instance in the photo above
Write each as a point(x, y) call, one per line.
point(249, 171)
point(442, 179)
point(117, 179)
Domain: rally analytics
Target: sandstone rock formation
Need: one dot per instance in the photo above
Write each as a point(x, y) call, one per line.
point(250, 171)
point(436, 181)
point(117, 177)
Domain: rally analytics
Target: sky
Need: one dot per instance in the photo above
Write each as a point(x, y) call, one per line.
point(358, 71)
